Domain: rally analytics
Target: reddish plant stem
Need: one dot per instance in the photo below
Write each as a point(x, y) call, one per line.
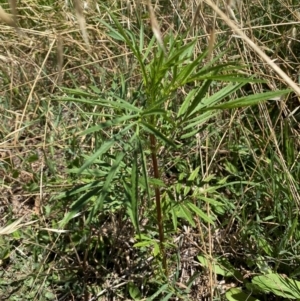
point(158, 202)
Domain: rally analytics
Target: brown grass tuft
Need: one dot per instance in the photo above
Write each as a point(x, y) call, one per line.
point(6, 18)
point(13, 8)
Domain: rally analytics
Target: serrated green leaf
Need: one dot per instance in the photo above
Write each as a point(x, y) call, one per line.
point(236, 294)
point(279, 285)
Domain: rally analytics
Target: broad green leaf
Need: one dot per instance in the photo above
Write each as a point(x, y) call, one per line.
point(194, 174)
point(198, 97)
point(186, 102)
point(88, 172)
point(267, 247)
point(200, 213)
point(156, 182)
point(208, 103)
point(174, 219)
point(216, 267)
point(184, 212)
point(180, 52)
point(185, 72)
point(236, 294)
point(186, 190)
point(156, 249)
point(50, 296)
point(120, 33)
point(142, 38)
point(146, 243)
point(115, 35)
point(149, 48)
point(85, 101)
point(279, 285)
point(134, 291)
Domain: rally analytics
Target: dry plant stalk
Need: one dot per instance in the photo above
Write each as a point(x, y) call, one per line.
point(211, 41)
point(59, 58)
point(256, 48)
point(13, 8)
point(81, 21)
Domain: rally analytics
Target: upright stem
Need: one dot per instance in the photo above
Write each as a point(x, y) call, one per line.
point(158, 203)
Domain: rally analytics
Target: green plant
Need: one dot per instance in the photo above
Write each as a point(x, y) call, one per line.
point(228, 179)
point(151, 118)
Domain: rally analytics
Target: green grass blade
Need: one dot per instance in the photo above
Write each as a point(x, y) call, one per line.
point(198, 97)
point(162, 289)
point(209, 102)
point(109, 123)
point(249, 100)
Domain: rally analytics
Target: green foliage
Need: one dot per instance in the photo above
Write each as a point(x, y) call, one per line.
point(146, 157)
point(236, 294)
point(279, 285)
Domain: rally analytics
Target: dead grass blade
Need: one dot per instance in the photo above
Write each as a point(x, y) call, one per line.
point(211, 42)
point(155, 27)
point(59, 58)
point(81, 21)
point(256, 48)
point(14, 226)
